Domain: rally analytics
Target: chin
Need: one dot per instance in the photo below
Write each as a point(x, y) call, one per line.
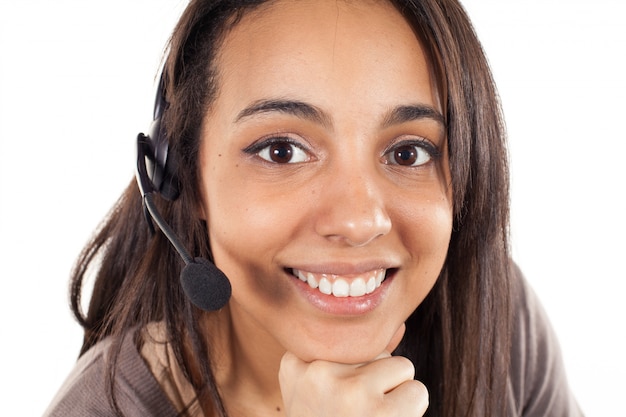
point(348, 350)
point(349, 358)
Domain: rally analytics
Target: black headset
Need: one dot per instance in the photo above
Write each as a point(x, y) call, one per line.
point(204, 284)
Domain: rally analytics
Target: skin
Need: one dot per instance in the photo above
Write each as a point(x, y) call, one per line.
point(323, 80)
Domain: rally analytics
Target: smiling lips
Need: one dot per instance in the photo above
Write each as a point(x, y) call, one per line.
point(343, 286)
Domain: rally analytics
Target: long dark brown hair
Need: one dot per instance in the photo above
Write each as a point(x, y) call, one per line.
point(458, 338)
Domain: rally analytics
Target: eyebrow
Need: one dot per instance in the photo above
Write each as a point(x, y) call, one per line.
point(397, 115)
point(294, 108)
point(403, 114)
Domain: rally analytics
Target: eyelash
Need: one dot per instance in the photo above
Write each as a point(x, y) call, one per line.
point(422, 144)
point(264, 145)
point(258, 147)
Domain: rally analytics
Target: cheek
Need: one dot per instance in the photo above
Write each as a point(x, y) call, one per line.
point(426, 234)
point(436, 223)
point(252, 218)
point(247, 227)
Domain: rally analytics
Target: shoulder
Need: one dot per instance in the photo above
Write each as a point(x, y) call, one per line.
point(537, 380)
point(85, 391)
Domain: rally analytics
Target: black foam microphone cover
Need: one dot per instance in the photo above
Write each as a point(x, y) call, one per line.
point(205, 285)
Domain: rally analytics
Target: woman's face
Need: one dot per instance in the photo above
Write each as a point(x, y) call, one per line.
point(324, 170)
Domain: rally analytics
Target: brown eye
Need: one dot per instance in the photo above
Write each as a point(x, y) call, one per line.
point(405, 155)
point(282, 152)
point(408, 155)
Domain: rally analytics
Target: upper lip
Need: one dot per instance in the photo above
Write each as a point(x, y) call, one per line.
point(344, 268)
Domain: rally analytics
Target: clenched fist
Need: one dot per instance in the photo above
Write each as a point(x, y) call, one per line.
point(382, 387)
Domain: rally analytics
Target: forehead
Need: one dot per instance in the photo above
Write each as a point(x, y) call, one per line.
point(322, 48)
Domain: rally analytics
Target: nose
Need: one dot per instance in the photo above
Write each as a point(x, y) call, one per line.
point(352, 208)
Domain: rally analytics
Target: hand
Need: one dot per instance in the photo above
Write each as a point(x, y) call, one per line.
point(383, 387)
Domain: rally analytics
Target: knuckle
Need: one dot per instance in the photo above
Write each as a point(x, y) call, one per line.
point(288, 364)
point(418, 395)
point(319, 369)
point(406, 365)
point(405, 361)
point(417, 389)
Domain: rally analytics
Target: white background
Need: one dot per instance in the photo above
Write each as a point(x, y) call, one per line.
point(77, 84)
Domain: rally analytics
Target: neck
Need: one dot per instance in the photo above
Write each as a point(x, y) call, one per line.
point(245, 368)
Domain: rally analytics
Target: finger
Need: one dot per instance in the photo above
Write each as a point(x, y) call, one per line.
point(384, 375)
point(408, 399)
point(290, 368)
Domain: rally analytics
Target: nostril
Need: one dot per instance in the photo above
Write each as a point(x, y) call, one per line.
point(353, 208)
point(354, 228)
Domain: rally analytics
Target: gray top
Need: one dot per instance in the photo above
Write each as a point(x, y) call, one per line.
point(537, 385)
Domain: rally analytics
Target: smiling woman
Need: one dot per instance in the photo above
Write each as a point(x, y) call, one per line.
point(343, 164)
point(326, 192)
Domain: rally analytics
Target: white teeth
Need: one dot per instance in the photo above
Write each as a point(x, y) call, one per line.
point(340, 287)
point(380, 277)
point(357, 287)
point(325, 286)
point(310, 278)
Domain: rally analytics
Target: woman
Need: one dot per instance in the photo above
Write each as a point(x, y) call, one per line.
point(343, 163)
